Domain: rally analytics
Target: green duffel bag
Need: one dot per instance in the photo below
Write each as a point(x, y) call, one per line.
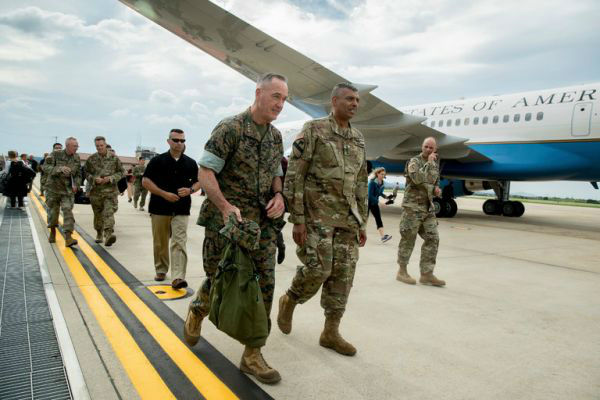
point(236, 304)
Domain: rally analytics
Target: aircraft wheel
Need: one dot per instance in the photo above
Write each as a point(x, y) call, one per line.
point(452, 208)
point(509, 209)
point(519, 209)
point(492, 207)
point(439, 207)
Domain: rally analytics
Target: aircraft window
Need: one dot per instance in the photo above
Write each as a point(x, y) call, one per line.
point(495, 119)
point(441, 123)
point(517, 117)
point(476, 121)
point(528, 117)
point(433, 124)
point(466, 121)
point(449, 122)
point(540, 116)
point(457, 122)
point(506, 118)
point(484, 120)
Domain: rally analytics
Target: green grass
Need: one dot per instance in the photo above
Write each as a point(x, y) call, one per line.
point(558, 202)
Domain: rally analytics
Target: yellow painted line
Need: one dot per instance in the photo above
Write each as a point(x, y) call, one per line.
point(140, 370)
point(196, 371)
point(166, 292)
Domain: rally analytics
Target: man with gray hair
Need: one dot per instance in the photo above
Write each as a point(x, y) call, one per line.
point(63, 168)
point(422, 185)
point(240, 172)
point(326, 191)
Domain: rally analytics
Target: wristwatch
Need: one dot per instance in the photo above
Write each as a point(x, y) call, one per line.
point(192, 189)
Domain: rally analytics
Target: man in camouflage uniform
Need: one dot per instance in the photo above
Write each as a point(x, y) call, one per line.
point(43, 175)
point(103, 170)
point(138, 189)
point(418, 215)
point(63, 169)
point(240, 172)
point(326, 190)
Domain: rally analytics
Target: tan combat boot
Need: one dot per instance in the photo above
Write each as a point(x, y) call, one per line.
point(192, 327)
point(253, 363)
point(285, 314)
point(430, 279)
point(52, 237)
point(110, 238)
point(69, 241)
point(403, 276)
point(99, 237)
point(332, 339)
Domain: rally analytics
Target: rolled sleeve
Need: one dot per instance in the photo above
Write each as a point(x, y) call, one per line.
point(214, 162)
point(279, 171)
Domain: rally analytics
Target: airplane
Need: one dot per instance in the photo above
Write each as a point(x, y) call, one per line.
point(483, 143)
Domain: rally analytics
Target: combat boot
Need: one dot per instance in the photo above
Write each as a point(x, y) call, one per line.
point(332, 339)
point(286, 313)
point(192, 327)
point(110, 238)
point(430, 279)
point(253, 363)
point(403, 276)
point(99, 237)
point(52, 237)
point(69, 241)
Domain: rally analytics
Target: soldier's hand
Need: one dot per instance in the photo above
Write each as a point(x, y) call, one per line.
point(437, 191)
point(170, 197)
point(299, 234)
point(183, 192)
point(74, 189)
point(230, 209)
point(66, 170)
point(432, 157)
point(99, 180)
point(362, 238)
point(276, 206)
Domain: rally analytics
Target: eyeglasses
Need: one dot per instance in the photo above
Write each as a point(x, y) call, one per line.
point(178, 140)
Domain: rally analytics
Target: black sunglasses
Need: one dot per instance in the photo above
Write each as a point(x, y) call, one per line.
point(178, 140)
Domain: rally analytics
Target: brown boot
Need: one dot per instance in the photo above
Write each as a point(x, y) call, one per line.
point(99, 237)
point(52, 237)
point(110, 238)
point(430, 279)
point(192, 327)
point(403, 276)
point(332, 339)
point(285, 314)
point(253, 363)
point(69, 241)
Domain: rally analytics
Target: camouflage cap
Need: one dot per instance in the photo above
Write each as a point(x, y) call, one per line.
point(246, 234)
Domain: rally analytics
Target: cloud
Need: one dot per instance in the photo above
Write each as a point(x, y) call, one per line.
point(120, 113)
point(13, 76)
point(199, 109)
point(237, 105)
point(162, 97)
point(175, 120)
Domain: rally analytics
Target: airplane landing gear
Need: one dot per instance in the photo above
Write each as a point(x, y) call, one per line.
point(444, 208)
point(503, 206)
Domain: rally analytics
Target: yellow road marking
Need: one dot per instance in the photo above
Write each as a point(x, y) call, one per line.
point(197, 372)
point(166, 292)
point(140, 370)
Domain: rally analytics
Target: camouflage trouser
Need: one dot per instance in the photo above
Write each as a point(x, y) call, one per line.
point(139, 190)
point(104, 206)
point(57, 202)
point(264, 262)
point(425, 224)
point(329, 257)
point(43, 179)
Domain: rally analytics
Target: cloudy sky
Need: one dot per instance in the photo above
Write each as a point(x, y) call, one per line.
point(98, 68)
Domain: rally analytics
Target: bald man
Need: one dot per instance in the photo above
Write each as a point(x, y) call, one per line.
point(418, 216)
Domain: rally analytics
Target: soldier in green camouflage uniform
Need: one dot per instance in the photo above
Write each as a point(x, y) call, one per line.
point(326, 191)
point(63, 169)
point(103, 170)
point(138, 189)
point(418, 215)
point(241, 174)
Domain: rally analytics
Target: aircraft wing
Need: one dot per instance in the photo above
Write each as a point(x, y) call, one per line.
point(388, 132)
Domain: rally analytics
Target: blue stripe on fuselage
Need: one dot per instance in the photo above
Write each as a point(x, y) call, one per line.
point(575, 161)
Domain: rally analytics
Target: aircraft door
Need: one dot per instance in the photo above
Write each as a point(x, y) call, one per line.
point(582, 114)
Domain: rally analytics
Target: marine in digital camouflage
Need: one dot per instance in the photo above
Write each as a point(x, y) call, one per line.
point(139, 191)
point(252, 161)
point(59, 187)
point(104, 197)
point(326, 189)
point(418, 216)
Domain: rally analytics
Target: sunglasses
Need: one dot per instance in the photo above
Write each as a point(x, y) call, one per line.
point(178, 140)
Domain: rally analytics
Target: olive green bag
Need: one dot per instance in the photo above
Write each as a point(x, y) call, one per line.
point(236, 304)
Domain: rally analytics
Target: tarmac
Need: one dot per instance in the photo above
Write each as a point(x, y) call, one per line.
point(519, 317)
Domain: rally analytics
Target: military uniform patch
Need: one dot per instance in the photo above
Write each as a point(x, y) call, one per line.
point(298, 147)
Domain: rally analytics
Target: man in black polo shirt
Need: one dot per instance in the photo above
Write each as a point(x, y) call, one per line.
point(171, 178)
